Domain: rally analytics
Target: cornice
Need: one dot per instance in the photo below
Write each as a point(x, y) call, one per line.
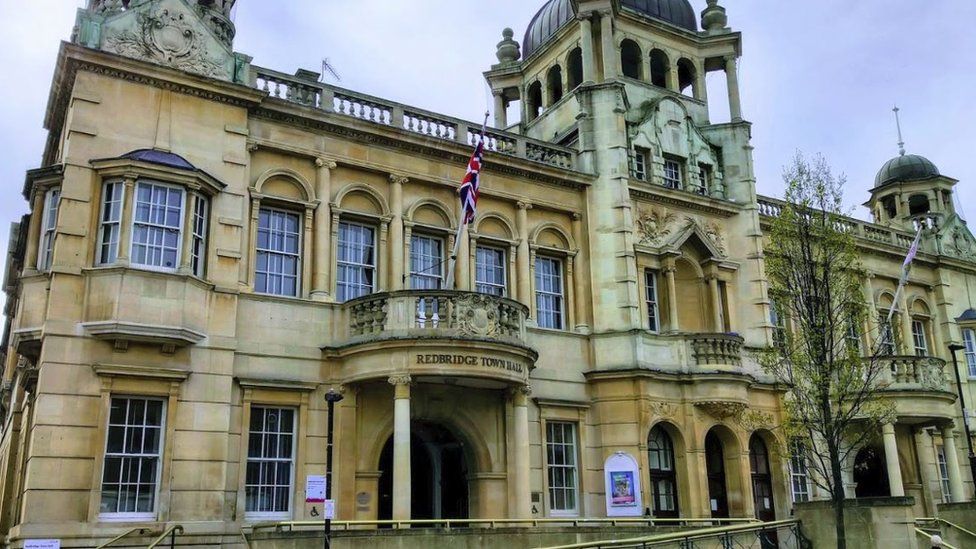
point(662, 196)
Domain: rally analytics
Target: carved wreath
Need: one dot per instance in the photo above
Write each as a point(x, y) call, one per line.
point(653, 226)
point(168, 39)
point(477, 316)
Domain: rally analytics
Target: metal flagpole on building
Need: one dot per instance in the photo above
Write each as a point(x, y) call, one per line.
point(889, 332)
point(469, 201)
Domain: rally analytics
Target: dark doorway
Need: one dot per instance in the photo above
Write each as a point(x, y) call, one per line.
point(438, 475)
point(762, 488)
point(871, 474)
point(715, 469)
point(664, 482)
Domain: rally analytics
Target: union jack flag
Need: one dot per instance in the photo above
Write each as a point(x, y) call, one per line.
point(471, 184)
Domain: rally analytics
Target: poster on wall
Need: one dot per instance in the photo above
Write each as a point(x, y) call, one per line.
point(622, 486)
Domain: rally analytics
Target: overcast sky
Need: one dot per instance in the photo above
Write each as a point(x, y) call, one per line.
point(819, 76)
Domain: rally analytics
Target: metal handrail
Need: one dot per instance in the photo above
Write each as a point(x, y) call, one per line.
point(928, 536)
point(681, 536)
point(493, 523)
point(174, 530)
point(140, 531)
point(947, 523)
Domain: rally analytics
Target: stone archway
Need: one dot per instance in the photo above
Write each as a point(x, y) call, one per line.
point(871, 474)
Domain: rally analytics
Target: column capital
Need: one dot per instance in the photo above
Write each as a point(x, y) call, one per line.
point(585, 16)
point(520, 394)
point(524, 205)
point(730, 58)
point(399, 179)
point(400, 379)
point(577, 216)
point(326, 163)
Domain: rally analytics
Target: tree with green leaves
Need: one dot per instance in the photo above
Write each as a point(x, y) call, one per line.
point(816, 284)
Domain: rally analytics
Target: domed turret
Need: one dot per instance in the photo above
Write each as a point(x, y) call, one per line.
point(556, 13)
point(906, 167)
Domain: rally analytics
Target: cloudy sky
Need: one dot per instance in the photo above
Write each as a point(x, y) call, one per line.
point(819, 76)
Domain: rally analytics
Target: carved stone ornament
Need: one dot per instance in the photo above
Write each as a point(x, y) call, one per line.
point(166, 36)
point(477, 315)
point(653, 226)
point(960, 244)
point(663, 409)
point(752, 420)
point(712, 232)
point(722, 409)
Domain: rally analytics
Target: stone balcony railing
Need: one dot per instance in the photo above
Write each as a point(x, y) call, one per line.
point(433, 314)
point(915, 372)
point(716, 349)
point(770, 207)
point(304, 89)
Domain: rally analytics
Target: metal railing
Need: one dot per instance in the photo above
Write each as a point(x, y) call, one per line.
point(765, 535)
point(172, 532)
point(928, 537)
point(447, 524)
point(120, 537)
point(935, 521)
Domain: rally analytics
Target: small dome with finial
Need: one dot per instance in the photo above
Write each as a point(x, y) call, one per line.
point(905, 167)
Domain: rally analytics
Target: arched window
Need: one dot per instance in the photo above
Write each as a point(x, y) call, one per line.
point(575, 68)
point(686, 76)
point(918, 204)
point(715, 470)
point(762, 479)
point(660, 65)
point(534, 100)
point(630, 59)
point(664, 484)
point(554, 82)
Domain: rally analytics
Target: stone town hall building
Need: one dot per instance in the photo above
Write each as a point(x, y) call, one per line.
point(213, 245)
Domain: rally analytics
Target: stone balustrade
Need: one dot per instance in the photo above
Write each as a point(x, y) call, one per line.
point(771, 207)
point(915, 372)
point(434, 314)
point(305, 90)
point(716, 349)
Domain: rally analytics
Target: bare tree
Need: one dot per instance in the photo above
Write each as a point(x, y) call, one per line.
point(816, 284)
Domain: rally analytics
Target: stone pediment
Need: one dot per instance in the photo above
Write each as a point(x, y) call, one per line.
point(170, 33)
point(667, 231)
point(956, 240)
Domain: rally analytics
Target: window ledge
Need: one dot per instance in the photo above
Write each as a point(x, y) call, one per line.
point(147, 333)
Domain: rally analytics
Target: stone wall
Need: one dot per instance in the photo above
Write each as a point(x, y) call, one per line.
point(870, 522)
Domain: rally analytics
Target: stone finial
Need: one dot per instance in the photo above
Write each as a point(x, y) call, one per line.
point(714, 18)
point(508, 49)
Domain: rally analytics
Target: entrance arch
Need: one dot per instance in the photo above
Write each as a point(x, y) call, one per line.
point(871, 474)
point(439, 467)
point(715, 469)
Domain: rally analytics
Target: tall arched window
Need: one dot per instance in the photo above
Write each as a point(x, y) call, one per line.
point(554, 82)
point(575, 68)
point(715, 470)
point(630, 59)
point(686, 76)
point(660, 65)
point(534, 100)
point(664, 483)
point(762, 479)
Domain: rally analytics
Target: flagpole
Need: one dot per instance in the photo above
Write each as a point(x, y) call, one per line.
point(889, 329)
point(449, 285)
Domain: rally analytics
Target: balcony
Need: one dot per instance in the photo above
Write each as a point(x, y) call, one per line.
point(919, 387)
point(433, 333)
point(716, 349)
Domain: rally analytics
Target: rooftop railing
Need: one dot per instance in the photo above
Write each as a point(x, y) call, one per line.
point(303, 89)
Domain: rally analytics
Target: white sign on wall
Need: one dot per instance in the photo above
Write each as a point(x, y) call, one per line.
point(330, 509)
point(42, 544)
point(314, 489)
point(622, 479)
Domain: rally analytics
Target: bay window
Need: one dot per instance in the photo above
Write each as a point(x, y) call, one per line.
point(110, 223)
point(156, 225)
point(49, 223)
point(356, 261)
point(198, 247)
point(489, 271)
point(278, 253)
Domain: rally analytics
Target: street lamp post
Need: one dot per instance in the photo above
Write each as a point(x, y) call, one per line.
point(953, 347)
point(331, 398)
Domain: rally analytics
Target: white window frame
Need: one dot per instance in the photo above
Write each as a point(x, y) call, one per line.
point(199, 231)
point(969, 354)
point(273, 515)
point(704, 179)
point(797, 459)
point(673, 178)
point(651, 301)
point(371, 267)
point(49, 226)
point(919, 339)
point(271, 252)
point(179, 228)
point(888, 348)
point(559, 295)
point(942, 464)
point(113, 224)
point(777, 319)
point(571, 469)
point(640, 163)
point(436, 272)
point(134, 516)
point(500, 287)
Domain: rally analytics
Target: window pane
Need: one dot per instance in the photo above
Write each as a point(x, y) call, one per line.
point(490, 271)
point(132, 456)
point(356, 261)
point(561, 457)
point(278, 255)
point(426, 262)
point(268, 483)
point(549, 292)
point(157, 233)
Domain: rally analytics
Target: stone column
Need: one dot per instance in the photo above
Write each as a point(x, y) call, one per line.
point(891, 460)
point(872, 314)
point(125, 231)
point(323, 227)
point(673, 83)
point(520, 473)
point(522, 257)
point(586, 45)
point(672, 295)
point(401, 447)
point(700, 89)
point(611, 59)
point(716, 304)
point(732, 78)
point(396, 232)
point(579, 279)
point(501, 116)
point(952, 464)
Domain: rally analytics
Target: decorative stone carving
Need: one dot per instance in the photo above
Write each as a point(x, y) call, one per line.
point(477, 315)
point(752, 420)
point(960, 244)
point(400, 379)
point(722, 409)
point(508, 48)
point(653, 225)
point(662, 409)
point(167, 37)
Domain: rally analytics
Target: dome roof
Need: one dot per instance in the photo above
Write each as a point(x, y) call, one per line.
point(556, 13)
point(907, 167)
